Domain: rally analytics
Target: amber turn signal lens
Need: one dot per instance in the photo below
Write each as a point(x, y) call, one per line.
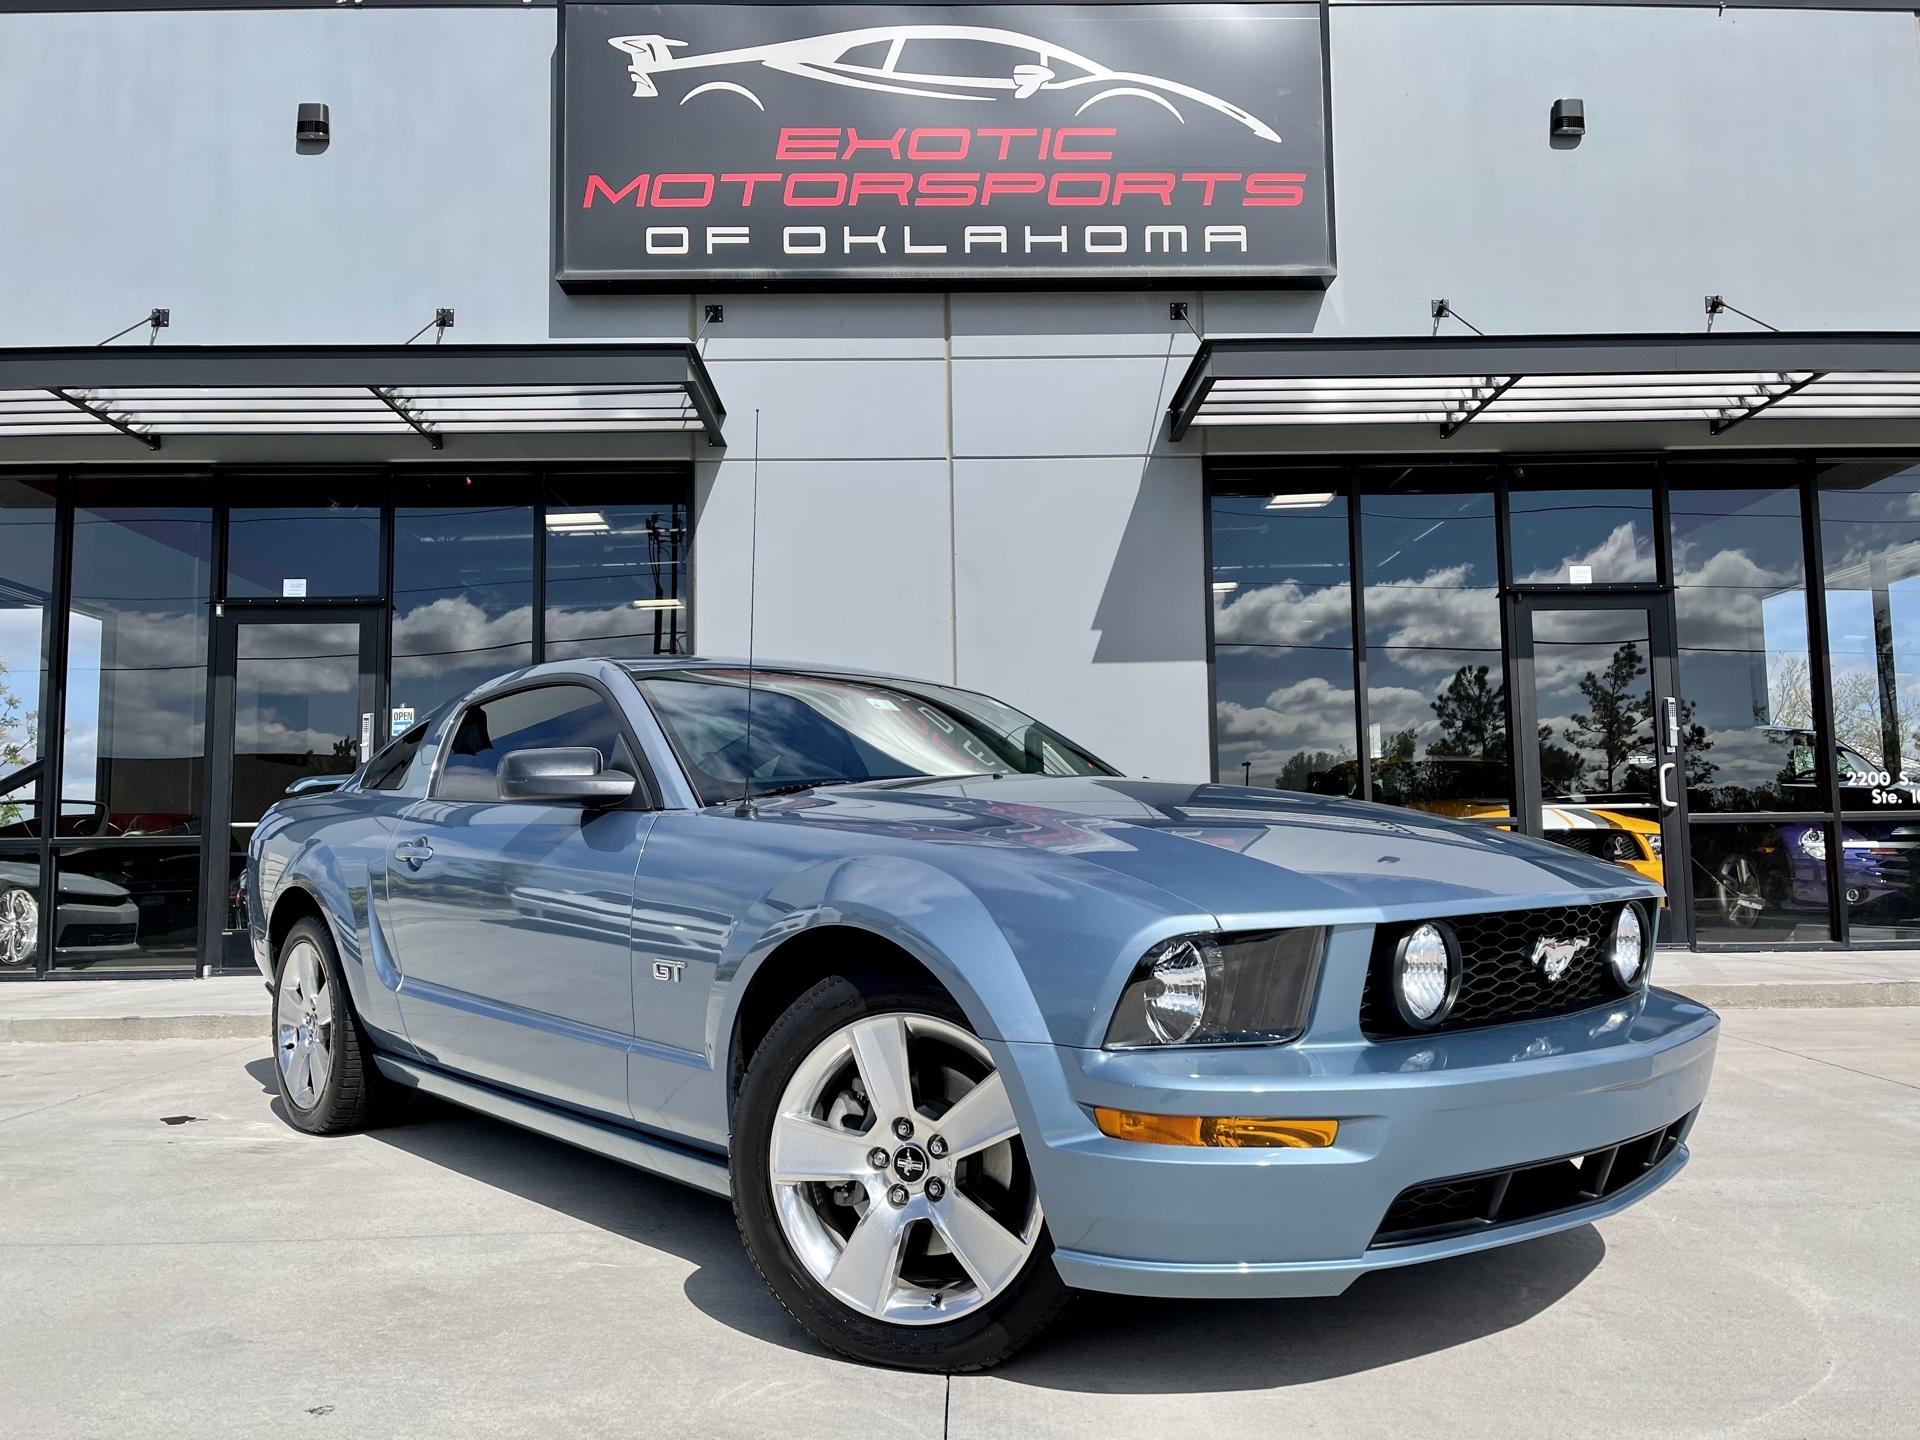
point(1231, 1131)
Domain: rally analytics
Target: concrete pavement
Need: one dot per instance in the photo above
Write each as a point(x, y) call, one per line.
point(177, 1261)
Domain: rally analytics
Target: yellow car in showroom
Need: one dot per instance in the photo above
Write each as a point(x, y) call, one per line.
point(1458, 789)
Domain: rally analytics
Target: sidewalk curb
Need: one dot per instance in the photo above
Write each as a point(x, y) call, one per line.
point(65, 1029)
point(1803, 995)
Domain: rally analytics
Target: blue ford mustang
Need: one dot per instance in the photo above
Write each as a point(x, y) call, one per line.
point(961, 1019)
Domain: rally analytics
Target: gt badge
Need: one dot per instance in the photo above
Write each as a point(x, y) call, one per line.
point(668, 970)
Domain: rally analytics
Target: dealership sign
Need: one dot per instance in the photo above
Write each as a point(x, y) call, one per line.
point(720, 144)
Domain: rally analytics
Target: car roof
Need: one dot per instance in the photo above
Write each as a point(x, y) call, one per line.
point(655, 663)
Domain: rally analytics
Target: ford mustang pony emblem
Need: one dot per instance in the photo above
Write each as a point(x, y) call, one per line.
point(1554, 955)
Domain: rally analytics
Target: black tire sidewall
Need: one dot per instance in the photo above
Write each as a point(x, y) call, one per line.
point(974, 1341)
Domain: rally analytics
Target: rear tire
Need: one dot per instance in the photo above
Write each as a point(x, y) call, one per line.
point(323, 1065)
point(954, 1226)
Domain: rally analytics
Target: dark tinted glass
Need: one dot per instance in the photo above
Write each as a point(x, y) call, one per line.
point(551, 716)
point(822, 729)
point(1593, 692)
point(1760, 882)
point(1284, 716)
point(616, 577)
point(1880, 878)
point(1740, 603)
point(463, 592)
point(26, 581)
point(1870, 537)
point(1436, 688)
point(392, 765)
point(127, 907)
point(1284, 710)
point(1582, 525)
point(328, 548)
point(136, 670)
point(296, 708)
point(20, 911)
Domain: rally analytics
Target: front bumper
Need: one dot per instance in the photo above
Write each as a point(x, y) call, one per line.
point(1172, 1220)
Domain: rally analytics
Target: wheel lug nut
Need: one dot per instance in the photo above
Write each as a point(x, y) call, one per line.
point(897, 1196)
point(935, 1189)
point(903, 1128)
point(937, 1148)
point(878, 1158)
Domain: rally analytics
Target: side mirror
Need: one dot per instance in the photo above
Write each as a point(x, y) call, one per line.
point(569, 773)
point(311, 783)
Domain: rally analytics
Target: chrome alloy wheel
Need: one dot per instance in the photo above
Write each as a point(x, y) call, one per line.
point(19, 927)
point(303, 1025)
point(898, 1174)
point(1738, 892)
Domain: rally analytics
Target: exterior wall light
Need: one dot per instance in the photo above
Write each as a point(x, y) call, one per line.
point(312, 125)
point(1569, 119)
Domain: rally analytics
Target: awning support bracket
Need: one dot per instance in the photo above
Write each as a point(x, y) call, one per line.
point(385, 397)
point(1454, 427)
point(152, 442)
point(1726, 423)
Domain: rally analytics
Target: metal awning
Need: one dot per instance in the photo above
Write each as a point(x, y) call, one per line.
point(430, 391)
point(1719, 381)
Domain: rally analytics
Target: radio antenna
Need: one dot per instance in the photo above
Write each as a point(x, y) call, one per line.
point(744, 809)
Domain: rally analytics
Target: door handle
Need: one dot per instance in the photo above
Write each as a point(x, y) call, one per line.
point(1667, 802)
point(415, 852)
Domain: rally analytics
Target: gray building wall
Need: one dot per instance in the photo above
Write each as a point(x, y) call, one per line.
point(974, 486)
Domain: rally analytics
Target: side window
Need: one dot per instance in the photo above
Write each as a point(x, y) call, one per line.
point(545, 718)
point(388, 770)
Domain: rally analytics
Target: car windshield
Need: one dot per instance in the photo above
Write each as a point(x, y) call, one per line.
point(833, 730)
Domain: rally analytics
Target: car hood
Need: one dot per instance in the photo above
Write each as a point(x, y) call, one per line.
point(1239, 854)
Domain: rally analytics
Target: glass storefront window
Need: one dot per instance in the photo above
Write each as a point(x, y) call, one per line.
point(19, 911)
point(1880, 878)
point(1582, 525)
point(1870, 543)
point(1436, 684)
point(136, 681)
point(1759, 882)
point(1740, 604)
point(462, 588)
point(326, 548)
point(1284, 712)
point(26, 584)
point(616, 574)
point(127, 907)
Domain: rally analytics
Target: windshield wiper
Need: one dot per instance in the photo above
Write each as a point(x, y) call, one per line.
point(794, 787)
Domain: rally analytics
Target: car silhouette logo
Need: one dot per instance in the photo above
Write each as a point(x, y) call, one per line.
point(909, 60)
point(1554, 955)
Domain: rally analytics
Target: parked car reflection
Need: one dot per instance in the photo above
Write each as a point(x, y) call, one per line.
point(93, 919)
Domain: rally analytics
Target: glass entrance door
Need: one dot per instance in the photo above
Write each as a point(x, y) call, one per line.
point(294, 697)
point(1600, 763)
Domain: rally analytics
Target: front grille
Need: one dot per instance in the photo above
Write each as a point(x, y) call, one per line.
point(1614, 845)
point(1499, 981)
point(1465, 1203)
point(94, 937)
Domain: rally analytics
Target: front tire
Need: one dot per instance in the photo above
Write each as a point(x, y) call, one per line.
point(937, 1259)
point(323, 1065)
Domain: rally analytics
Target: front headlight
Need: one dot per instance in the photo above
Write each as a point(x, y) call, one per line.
point(1656, 845)
point(1219, 990)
